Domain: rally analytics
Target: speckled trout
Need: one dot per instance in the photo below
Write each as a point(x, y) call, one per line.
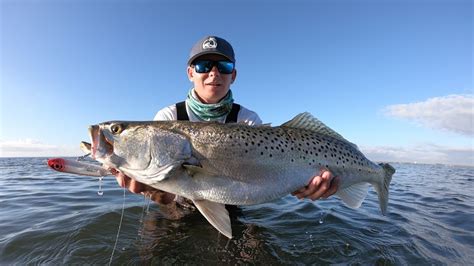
point(215, 164)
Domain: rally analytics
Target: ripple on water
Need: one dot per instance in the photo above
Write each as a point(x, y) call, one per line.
point(55, 218)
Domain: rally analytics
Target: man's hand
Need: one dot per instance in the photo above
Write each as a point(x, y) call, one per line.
point(136, 187)
point(320, 186)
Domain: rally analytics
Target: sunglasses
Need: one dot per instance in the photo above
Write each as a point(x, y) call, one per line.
point(205, 66)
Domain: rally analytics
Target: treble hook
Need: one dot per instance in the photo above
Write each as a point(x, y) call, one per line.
point(82, 158)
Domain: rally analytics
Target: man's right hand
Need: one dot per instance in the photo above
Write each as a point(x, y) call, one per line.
point(158, 196)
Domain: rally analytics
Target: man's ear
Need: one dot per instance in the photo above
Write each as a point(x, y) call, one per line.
point(234, 75)
point(190, 73)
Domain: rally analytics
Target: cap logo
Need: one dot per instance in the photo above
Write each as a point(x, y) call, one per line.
point(210, 43)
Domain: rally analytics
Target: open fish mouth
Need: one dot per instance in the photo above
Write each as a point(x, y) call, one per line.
point(101, 146)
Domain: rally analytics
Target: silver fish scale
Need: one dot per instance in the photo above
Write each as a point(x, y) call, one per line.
point(295, 145)
point(262, 156)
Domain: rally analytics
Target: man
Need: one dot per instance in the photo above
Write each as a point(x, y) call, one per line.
point(211, 68)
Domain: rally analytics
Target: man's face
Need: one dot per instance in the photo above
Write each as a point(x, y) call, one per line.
point(213, 86)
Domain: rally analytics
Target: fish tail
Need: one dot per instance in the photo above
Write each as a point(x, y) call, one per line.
point(382, 188)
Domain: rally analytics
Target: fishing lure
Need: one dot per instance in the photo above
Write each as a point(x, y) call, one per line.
point(77, 167)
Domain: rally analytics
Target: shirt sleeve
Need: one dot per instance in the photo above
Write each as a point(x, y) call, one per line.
point(249, 117)
point(167, 113)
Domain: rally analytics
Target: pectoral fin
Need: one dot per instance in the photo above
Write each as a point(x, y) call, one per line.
point(193, 169)
point(216, 214)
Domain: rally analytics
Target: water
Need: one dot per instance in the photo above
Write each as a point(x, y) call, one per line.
point(48, 217)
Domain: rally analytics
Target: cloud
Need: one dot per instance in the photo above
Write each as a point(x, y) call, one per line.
point(453, 113)
point(34, 148)
point(422, 153)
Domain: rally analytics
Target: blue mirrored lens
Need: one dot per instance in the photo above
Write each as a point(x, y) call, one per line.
point(225, 67)
point(205, 66)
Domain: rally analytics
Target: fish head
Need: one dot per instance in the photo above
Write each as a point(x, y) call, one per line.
point(120, 144)
point(56, 164)
point(139, 149)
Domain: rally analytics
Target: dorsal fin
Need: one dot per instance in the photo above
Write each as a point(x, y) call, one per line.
point(308, 122)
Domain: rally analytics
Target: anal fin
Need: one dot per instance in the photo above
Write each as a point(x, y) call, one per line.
point(354, 195)
point(216, 214)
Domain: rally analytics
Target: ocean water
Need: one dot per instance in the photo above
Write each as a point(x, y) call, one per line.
point(47, 217)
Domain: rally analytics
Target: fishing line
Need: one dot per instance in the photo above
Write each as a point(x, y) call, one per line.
point(145, 208)
point(119, 227)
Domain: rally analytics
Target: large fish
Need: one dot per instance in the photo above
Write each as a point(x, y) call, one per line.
point(215, 164)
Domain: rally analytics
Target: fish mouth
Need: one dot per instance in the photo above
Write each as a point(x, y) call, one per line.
point(101, 146)
point(86, 147)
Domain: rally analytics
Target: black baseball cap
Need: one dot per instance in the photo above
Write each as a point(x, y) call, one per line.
point(212, 45)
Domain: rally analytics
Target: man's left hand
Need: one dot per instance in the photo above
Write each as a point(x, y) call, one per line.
point(320, 186)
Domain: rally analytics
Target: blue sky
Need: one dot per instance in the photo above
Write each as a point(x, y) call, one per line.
point(394, 77)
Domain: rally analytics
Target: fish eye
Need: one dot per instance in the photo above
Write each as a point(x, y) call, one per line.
point(116, 128)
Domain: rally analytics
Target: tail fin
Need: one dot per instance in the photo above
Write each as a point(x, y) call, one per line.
point(382, 187)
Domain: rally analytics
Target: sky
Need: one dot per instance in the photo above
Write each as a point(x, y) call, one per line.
point(393, 77)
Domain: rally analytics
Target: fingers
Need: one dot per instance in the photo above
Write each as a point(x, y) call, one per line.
point(134, 186)
point(160, 197)
point(324, 185)
point(122, 179)
point(129, 183)
point(310, 189)
point(321, 186)
point(332, 188)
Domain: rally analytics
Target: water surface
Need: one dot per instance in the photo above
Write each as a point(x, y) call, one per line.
point(49, 217)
